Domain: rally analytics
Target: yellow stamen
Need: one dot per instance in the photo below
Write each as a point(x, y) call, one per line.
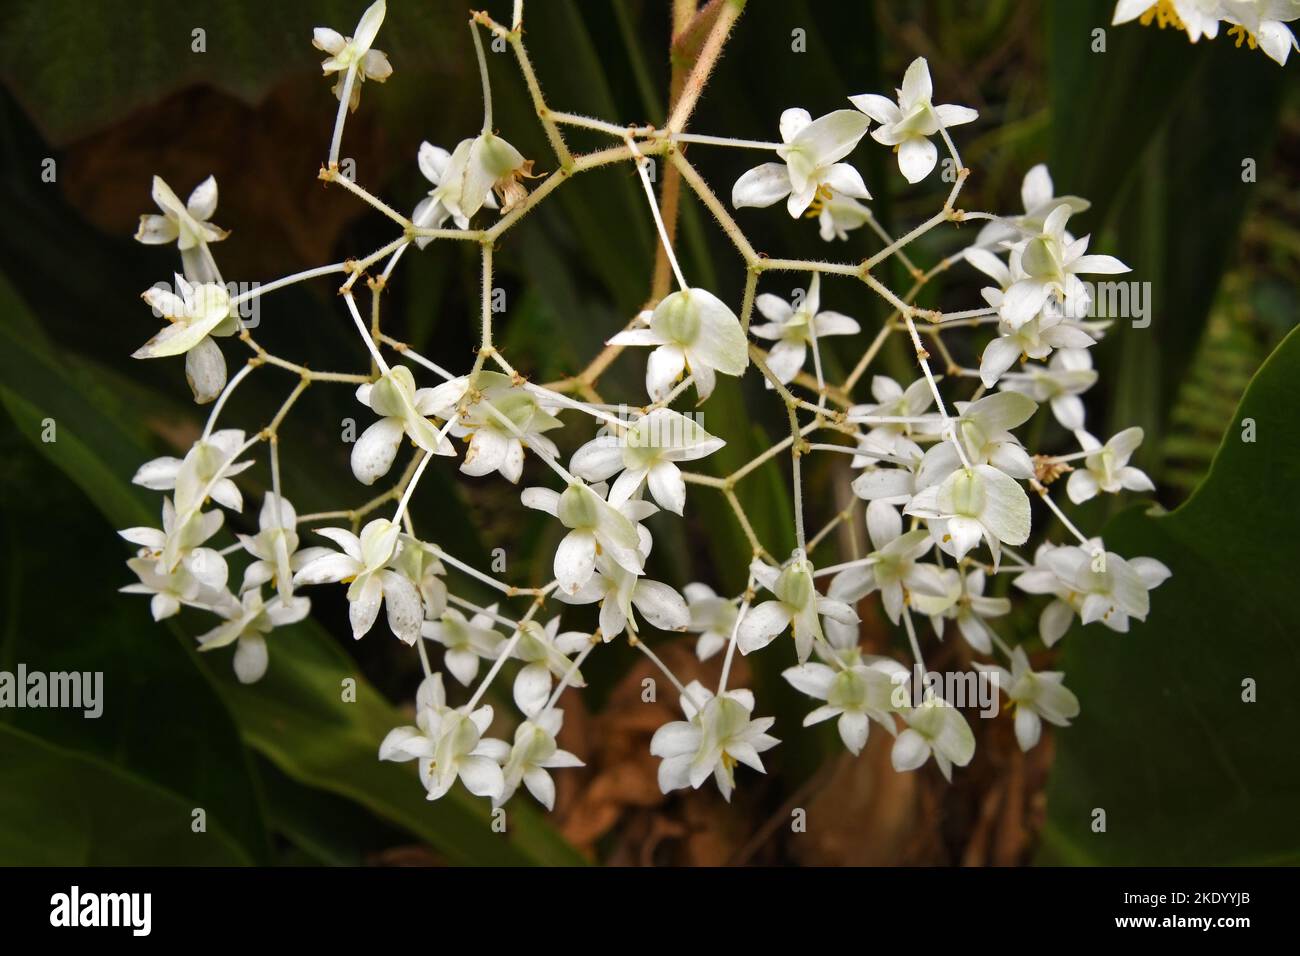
point(1164, 14)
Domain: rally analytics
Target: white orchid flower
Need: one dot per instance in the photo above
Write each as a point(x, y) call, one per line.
point(718, 734)
point(347, 52)
point(856, 695)
point(189, 476)
point(275, 548)
point(1048, 265)
point(893, 401)
point(1106, 468)
point(620, 592)
point(1199, 18)
point(1095, 584)
point(975, 502)
point(199, 581)
point(494, 445)
point(247, 624)
point(181, 533)
point(402, 409)
point(1265, 25)
point(908, 124)
point(468, 178)
point(691, 330)
point(466, 641)
point(364, 562)
point(199, 312)
point(647, 453)
point(711, 616)
point(838, 216)
point(594, 526)
point(431, 212)
point(811, 151)
point(1035, 696)
point(794, 330)
point(545, 652)
point(964, 602)
point(186, 224)
point(449, 745)
point(936, 729)
point(533, 753)
point(984, 429)
point(893, 568)
point(797, 605)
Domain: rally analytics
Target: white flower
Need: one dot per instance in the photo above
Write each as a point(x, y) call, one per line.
point(275, 546)
point(935, 728)
point(975, 502)
point(346, 52)
point(984, 429)
point(694, 331)
point(466, 641)
point(534, 752)
point(595, 526)
point(1037, 195)
point(1035, 697)
point(893, 485)
point(811, 151)
point(794, 330)
point(476, 170)
point(619, 591)
point(717, 734)
point(647, 453)
point(1098, 585)
point(432, 211)
point(837, 216)
point(1034, 339)
point(1265, 23)
point(893, 401)
point(364, 562)
point(893, 568)
point(853, 694)
point(1106, 467)
point(402, 409)
point(1068, 375)
point(248, 622)
point(712, 617)
point(494, 445)
point(965, 603)
point(449, 744)
point(199, 312)
point(420, 565)
point(1198, 17)
point(190, 476)
point(181, 533)
point(1049, 264)
point(797, 603)
point(908, 125)
point(185, 224)
point(544, 651)
point(199, 580)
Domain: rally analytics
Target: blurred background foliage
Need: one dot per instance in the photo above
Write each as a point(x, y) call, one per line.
point(1153, 130)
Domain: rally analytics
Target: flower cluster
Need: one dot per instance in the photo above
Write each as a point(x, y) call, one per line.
point(1260, 24)
point(943, 484)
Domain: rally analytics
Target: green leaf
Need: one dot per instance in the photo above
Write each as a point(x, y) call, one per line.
point(1186, 771)
point(64, 808)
